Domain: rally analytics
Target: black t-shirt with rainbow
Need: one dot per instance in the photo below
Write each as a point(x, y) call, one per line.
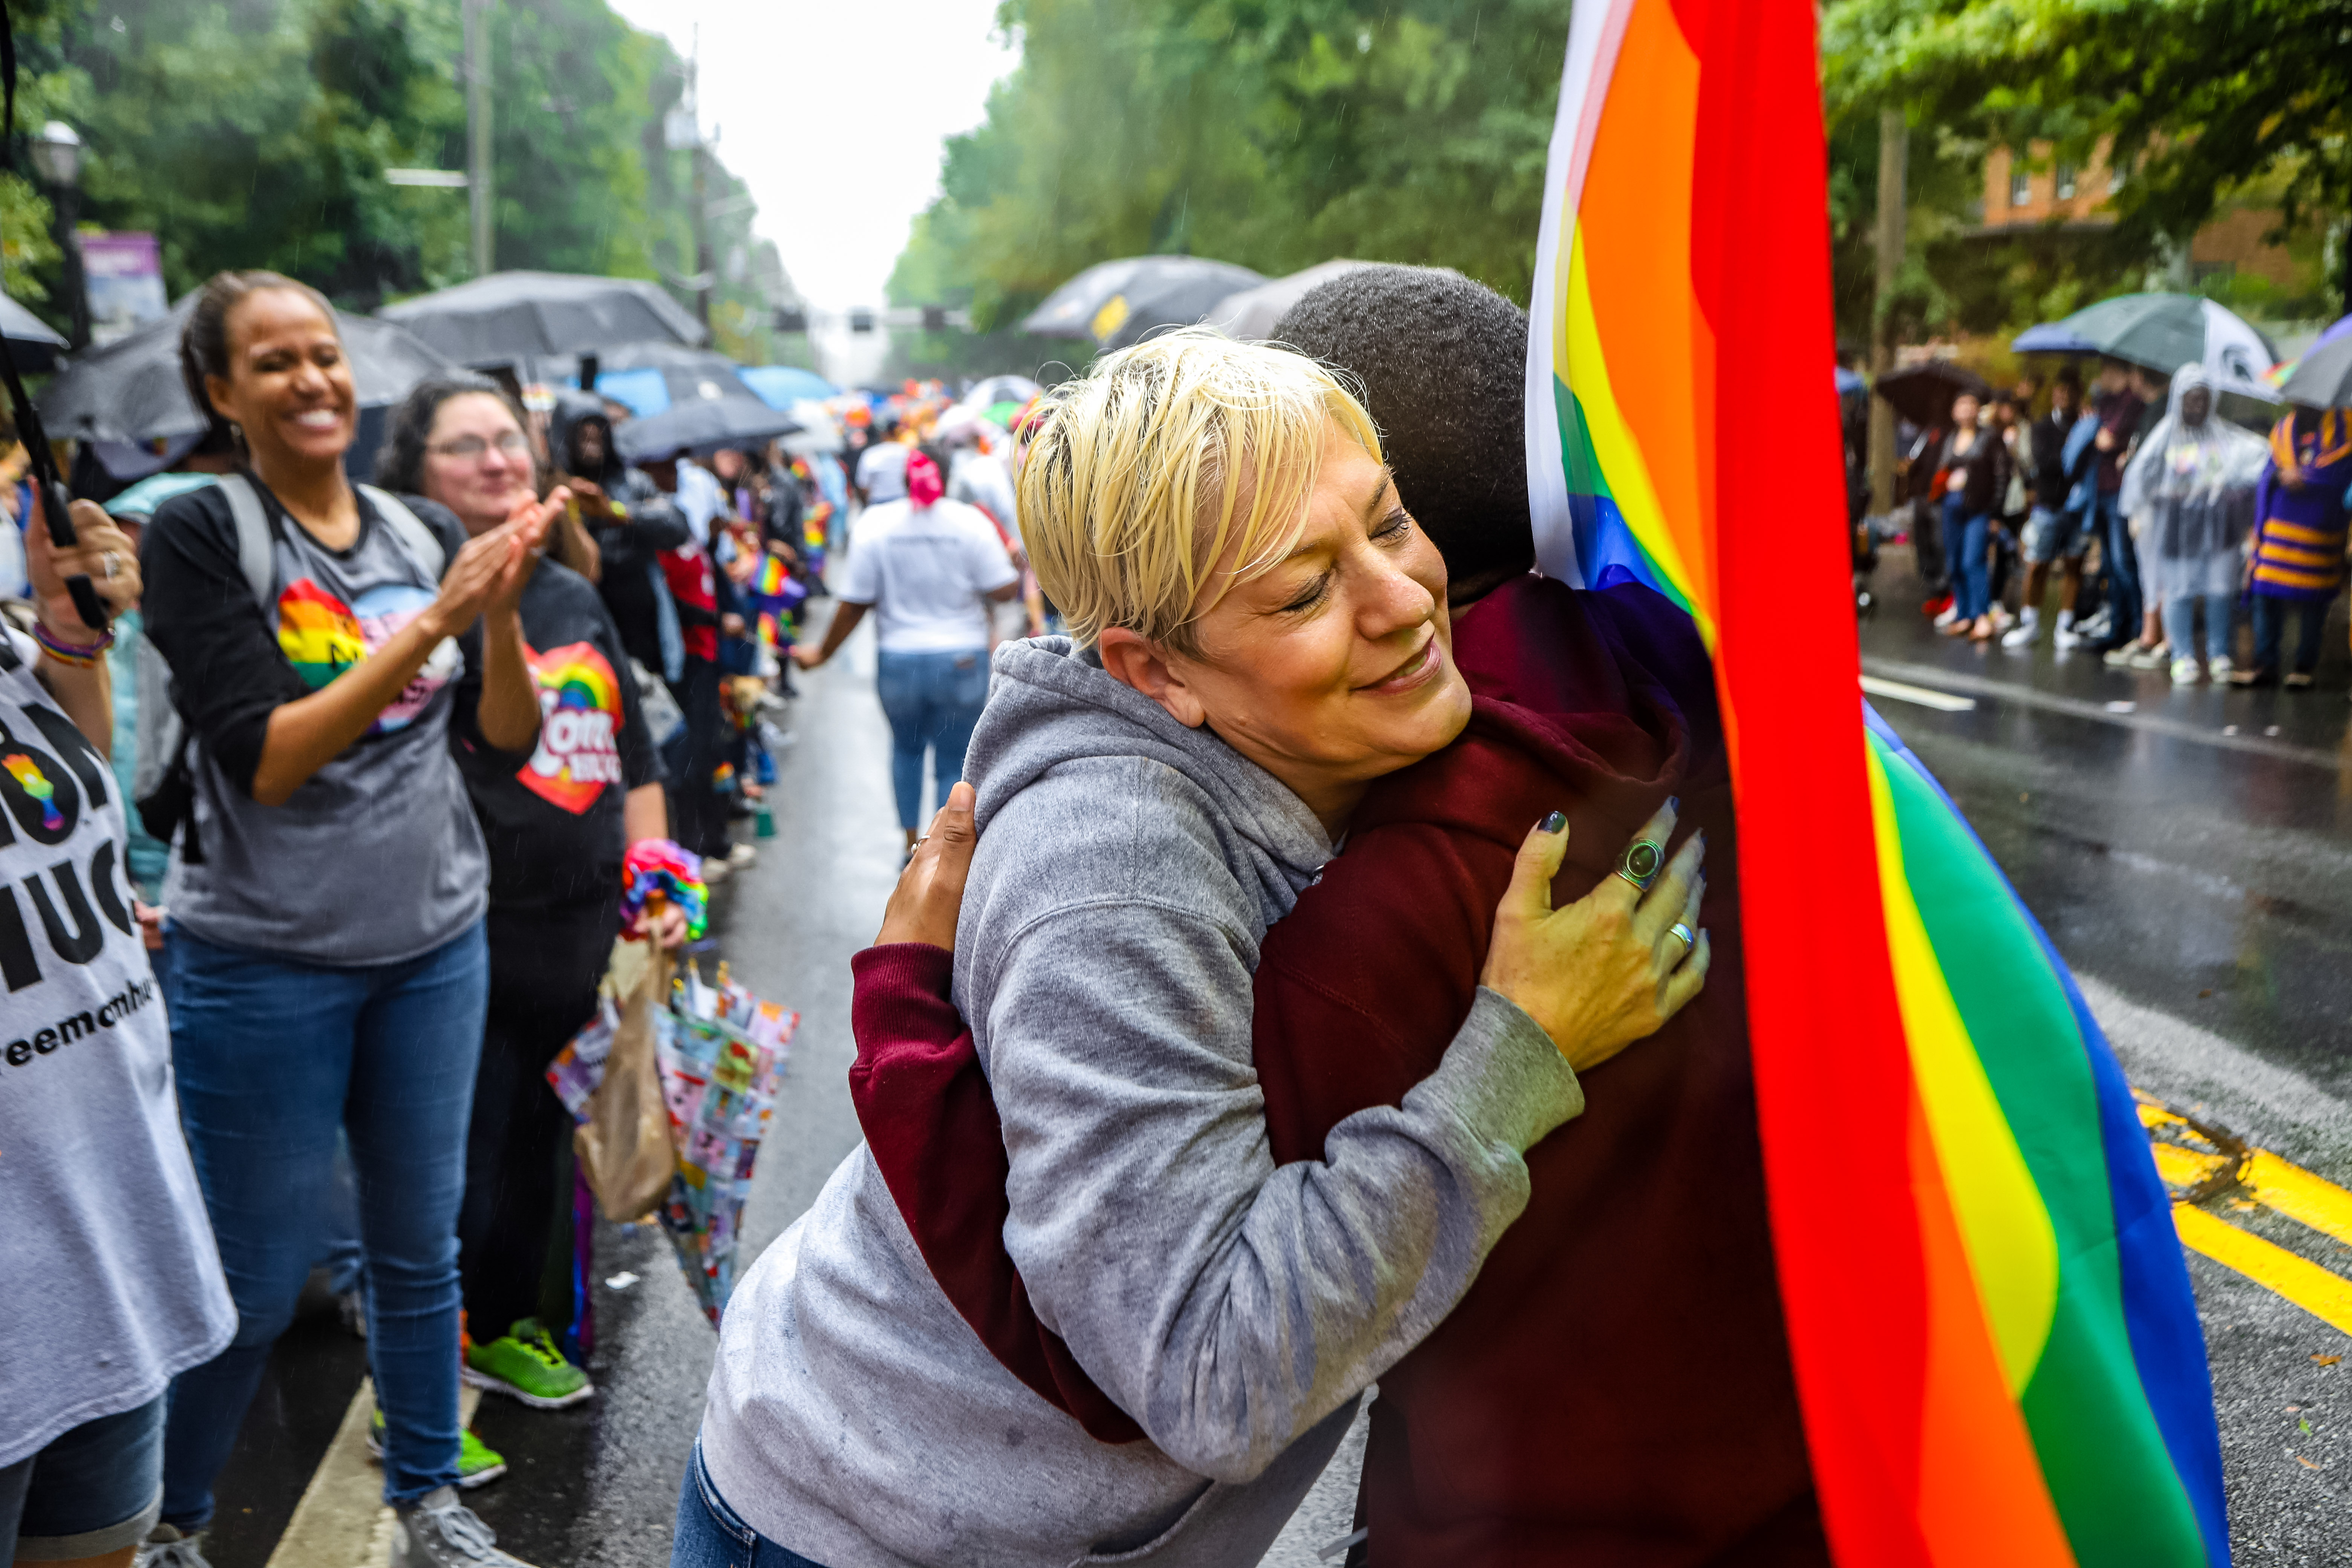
point(554, 825)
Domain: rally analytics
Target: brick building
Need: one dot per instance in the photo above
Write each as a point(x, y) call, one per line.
point(2028, 195)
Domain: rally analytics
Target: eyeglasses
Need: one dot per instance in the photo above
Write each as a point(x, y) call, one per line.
point(469, 448)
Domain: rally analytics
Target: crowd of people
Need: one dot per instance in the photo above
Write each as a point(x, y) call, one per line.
point(348, 778)
point(2170, 526)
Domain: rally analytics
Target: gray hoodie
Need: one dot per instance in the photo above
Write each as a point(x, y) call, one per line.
point(1127, 869)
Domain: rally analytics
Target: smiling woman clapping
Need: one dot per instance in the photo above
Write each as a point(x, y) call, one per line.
point(327, 880)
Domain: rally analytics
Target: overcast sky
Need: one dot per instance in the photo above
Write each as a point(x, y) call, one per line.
point(834, 112)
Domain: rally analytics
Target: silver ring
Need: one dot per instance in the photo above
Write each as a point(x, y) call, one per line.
point(1690, 941)
point(106, 560)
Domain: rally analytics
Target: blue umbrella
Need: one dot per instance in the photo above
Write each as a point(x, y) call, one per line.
point(781, 385)
point(2052, 338)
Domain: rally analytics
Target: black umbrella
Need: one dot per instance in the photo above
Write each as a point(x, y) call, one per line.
point(130, 389)
point(698, 423)
point(1922, 393)
point(1118, 303)
point(510, 316)
point(32, 345)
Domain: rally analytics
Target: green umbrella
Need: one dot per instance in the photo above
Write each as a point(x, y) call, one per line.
point(2165, 331)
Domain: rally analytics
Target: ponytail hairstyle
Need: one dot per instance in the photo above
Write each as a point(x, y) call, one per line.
point(204, 343)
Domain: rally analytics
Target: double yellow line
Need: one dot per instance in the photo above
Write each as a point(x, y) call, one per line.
point(2260, 1179)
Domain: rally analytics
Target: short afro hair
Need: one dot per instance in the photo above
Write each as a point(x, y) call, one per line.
point(1443, 361)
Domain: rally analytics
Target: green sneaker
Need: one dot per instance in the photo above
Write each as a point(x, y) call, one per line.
point(525, 1364)
point(478, 1464)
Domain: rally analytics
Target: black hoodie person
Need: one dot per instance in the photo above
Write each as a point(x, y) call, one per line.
point(631, 522)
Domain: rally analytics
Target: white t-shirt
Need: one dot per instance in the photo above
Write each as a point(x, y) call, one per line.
point(982, 479)
point(924, 572)
point(700, 497)
point(106, 1262)
point(882, 472)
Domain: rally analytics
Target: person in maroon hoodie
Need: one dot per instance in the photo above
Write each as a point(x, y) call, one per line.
point(1615, 1389)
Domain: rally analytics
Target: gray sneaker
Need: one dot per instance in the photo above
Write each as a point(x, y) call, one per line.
point(439, 1532)
point(165, 1547)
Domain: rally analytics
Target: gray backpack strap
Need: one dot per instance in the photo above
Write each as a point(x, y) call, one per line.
point(254, 555)
point(156, 736)
point(422, 542)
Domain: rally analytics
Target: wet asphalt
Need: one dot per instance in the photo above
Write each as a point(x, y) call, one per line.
point(2199, 881)
point(2190, 856)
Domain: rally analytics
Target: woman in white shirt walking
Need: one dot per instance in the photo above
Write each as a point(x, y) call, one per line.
point(928, 568)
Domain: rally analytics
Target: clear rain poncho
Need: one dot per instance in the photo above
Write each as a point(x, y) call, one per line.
point(2189, 490)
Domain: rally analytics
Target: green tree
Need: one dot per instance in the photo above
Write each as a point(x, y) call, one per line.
point(256, 133)
point(2201, 100)
point(1274, 133)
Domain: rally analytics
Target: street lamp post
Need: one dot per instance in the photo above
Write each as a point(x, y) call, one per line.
point(56, 158)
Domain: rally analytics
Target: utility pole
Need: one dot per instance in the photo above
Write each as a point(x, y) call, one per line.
point(703, 276)
point(1893, 156)
point(701, 188)
point(478, 135)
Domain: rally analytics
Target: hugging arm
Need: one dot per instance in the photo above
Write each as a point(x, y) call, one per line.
point(1226, 1304)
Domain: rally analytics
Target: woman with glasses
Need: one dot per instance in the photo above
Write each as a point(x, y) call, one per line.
point(328, 881)
point(557, 828)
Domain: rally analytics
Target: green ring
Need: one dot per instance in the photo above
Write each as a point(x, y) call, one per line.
point(1642, 860)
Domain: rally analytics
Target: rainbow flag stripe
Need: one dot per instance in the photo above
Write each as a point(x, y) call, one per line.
point(1993, 1335)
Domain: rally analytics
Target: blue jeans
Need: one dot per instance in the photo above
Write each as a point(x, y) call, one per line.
point(92, 1492)
point(2122, 558)
point(272, 1057)
point(2180, 625)
point(2272, 617)
point(933, 700)
point(709, 1535)
point(1965, 540)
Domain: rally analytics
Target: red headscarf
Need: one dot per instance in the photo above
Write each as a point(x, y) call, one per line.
point(924, 485)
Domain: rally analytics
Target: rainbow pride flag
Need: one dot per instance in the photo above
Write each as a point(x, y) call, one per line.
point(1994, 1340)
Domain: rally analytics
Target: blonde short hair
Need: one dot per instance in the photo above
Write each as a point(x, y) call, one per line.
point(1163, 458)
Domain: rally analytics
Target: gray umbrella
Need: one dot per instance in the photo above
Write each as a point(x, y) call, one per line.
point(1118, 303)
point(698, 423)
point(2322, 378)
point(130, 389)
point(1253, 313)
point(31, 343)
point(510, 316)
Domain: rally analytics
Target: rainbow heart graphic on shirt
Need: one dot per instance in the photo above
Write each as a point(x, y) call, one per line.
point(321, 637)
point(318, 633)
point(35, 782)
point(580, 724)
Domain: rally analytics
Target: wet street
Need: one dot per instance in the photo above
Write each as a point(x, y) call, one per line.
point(2190, 851)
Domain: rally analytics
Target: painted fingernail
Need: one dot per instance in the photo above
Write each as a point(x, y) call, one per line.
point(1552, 824)
point(1674, 803)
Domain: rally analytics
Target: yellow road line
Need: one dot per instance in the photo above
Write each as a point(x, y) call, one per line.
point(2300, 1196)
point(2325, 1296)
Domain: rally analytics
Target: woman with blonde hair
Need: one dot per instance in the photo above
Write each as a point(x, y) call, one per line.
point(1260, 631)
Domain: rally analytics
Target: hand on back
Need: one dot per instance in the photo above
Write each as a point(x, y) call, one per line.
point(929, 895)
point(1609, 968)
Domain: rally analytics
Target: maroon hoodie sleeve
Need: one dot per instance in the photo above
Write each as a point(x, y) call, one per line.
point(932, 1127)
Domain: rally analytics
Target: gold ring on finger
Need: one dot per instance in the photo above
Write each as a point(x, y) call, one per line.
point(1689, 939)
point(1642, 860)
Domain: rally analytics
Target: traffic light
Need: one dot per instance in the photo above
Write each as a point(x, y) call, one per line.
point(791, 318)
